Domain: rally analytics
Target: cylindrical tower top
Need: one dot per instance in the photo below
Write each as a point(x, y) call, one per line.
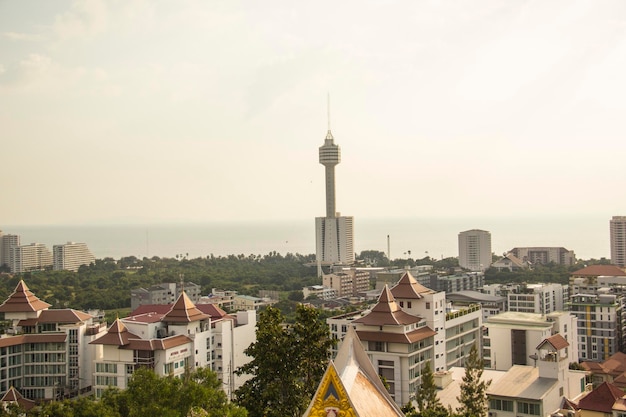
point(330, 154)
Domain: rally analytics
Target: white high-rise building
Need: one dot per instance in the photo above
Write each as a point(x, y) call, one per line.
point(6, 243)
point(334, 234)
point(618, 240)
point(70, 256)
point(475, 250)
point(35, 256)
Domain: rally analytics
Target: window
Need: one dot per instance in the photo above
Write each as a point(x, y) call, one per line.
point(503, 405)
point(427, 306)
point(528, 408)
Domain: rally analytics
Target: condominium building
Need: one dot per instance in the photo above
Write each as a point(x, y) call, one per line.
point(600, 324)
point(409, 326)
point(469, 281)
point(164, 293)
point(32, 257)
point(545, 255)
point(475, 250)
point(617, 227)
point(6, 243)
point(347, 282)
point(538, 298)
point(70, 256)
point(589, 279)
point(510, 338)
point(170, 339)
point(45, 353)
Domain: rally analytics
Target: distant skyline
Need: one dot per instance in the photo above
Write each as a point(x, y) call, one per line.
point(154, 111)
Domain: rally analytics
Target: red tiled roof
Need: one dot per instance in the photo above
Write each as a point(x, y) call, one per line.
point(184, 311)
point(408, 288)
point(14, 396)
point(157, 344)
point(557, 341)
point(33, 338)
point(67, 315)
point(601, 399)
point(600, 270)
point(211, 309)
point(116, 335)
point(22, 300)
point(410, 337)
point(387, 312)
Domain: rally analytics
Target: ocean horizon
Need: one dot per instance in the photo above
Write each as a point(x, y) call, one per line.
point(588, 237)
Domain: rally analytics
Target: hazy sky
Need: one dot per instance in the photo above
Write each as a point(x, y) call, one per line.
point(133, 111)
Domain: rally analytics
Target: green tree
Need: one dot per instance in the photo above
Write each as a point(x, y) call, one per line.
point(473, 397)
point(270, 391)
point(287, 363)
point(428, 404)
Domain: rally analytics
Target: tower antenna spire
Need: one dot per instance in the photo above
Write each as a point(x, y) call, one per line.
point(328, 108)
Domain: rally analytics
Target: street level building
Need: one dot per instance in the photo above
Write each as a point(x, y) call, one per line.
point(347, 282)
point(164, 293)
point(617, 228)
point(475, 250)
point(71, 256)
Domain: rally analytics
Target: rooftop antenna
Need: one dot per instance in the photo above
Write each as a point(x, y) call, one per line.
point(329, 136)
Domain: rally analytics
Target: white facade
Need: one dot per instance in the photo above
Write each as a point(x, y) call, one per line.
point(334, 240)
point(35, 256)
point(538, 298)
point(617, 228)
point(347, 282)
point(511, 337)
point(6, 243)
point(71, 256)
point(475, 250)
point(320, 291)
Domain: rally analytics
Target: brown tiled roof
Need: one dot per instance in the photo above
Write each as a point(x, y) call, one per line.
point(211, 309)
point(22, 300)
point(387, 312)
point(116, 335)
point(33, 338)
point(157, 344)
point(408, 288)
point(411, 337)
point(599, 270)
point(601, 399)
point(184, 311)
point(557, 341)
point(14, 396)
point(67, 315)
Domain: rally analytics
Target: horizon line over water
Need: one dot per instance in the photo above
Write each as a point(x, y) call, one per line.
point(587, 236)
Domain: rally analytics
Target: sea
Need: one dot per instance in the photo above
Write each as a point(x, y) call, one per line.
point(587, 236)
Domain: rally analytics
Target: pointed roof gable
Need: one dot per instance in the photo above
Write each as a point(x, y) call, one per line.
point(407, 287)
point(22, 301)
point(351, 385)
point(117, 335)
point(14, 396)
point(387, 311)
point(602, 398)
point(557, 341)
point(184, 311)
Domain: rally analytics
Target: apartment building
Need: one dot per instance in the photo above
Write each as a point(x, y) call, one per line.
point(617, 229)
point(538, 298)
point(45, 353)
point(347, 282)
point(6, 243)
point(32, 257)
point(510, 338)
point(475, 250)
point(409, 326)
point(70, 256)
point(172, 338)
point(164, 293)
point(545, 255)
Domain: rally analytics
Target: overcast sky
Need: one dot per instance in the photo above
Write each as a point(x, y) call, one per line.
point(144, 111)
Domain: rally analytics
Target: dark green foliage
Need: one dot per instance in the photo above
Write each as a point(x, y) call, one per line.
point(473, 397)
point(428, 405)
point(287, 363)
point(107, 284)
point(151, 395)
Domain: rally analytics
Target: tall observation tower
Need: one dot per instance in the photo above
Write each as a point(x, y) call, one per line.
point(330, 156)
point(334, 234)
